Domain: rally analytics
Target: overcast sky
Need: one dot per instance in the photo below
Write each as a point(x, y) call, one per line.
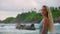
point(10, 8)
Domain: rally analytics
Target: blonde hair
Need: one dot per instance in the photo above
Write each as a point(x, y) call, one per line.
point(50, 25)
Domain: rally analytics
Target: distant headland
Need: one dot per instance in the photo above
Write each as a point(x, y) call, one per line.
point(33, 17)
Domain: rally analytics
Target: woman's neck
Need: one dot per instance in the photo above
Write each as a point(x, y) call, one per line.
point(45, 17)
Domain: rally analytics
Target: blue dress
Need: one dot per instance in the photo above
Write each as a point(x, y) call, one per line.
point(41, 27)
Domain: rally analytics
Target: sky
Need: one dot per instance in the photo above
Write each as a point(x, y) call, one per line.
point(10, 8)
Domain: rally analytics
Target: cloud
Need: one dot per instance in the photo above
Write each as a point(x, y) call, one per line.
point(17, 4)
point(13, 7)
point(5, 14)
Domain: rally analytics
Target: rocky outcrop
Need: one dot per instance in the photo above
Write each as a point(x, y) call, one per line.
point(1, 21)
point(57, 20)
point(31, 27)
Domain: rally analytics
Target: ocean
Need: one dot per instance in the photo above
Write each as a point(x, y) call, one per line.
point(11, 29)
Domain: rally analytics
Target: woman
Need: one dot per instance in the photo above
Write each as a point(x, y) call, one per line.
point(47, 22)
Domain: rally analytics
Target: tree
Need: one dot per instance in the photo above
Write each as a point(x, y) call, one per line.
point(9, 19)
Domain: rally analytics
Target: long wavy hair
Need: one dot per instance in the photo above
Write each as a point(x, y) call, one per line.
point(50, 24)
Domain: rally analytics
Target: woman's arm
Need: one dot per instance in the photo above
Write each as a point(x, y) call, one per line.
point(45, 25)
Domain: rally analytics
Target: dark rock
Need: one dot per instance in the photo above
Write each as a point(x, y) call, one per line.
point(57, 20)
point(26, 27)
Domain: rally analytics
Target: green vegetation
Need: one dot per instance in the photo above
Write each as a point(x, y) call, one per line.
point(9, 19)
point(55, 12)
point(31, 16)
